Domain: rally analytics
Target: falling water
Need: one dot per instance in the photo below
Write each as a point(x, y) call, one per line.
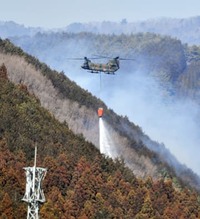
point(105, 141)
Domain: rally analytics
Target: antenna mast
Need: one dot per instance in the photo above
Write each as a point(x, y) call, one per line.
point(34, 194)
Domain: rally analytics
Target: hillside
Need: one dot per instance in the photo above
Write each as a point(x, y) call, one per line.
point(185, 29)
point(80, 182)
point(158, 90)
point(11, 29)
point(77, 108)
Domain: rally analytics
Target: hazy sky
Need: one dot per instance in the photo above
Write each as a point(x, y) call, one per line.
point(60, 13)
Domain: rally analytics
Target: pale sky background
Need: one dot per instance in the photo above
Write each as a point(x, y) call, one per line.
point(60, 13)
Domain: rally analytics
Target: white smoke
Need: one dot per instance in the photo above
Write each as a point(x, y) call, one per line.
point(165, 119)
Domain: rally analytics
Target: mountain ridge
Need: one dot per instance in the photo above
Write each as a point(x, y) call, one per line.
point(80, 183)
point(185, 29)
point(23, 68)
point(161, 81)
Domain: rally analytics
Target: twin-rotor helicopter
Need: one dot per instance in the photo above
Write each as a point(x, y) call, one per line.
point(108, 68)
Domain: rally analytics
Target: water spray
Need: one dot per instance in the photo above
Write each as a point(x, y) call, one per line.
point(106, 144)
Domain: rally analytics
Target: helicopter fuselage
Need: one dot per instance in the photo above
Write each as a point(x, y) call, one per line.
point(109, 68)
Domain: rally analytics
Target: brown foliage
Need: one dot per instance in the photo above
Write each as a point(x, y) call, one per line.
point(3, 72)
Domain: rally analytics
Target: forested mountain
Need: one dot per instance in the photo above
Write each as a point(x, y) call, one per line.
point(158, 90)
point(77, 108)
point(185, 29)
point(80, 183)
point(163, 67)
point(10, 29)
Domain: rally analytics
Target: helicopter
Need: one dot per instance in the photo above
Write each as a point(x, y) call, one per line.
point(108, 68)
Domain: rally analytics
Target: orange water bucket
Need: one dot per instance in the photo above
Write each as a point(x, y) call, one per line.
point(100, 112)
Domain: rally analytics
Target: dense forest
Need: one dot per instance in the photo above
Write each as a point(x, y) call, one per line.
point(142, 155)
point(171, 65)
point(186, 30)
point(80, 182)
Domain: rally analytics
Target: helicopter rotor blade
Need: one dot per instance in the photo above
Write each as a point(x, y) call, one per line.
point(102, 57)
point(74, 58)
point(82, 58)
point(109, 57)
point(126, 59)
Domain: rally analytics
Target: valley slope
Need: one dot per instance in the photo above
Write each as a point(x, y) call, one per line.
point(80, 182)
point(77, 108)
